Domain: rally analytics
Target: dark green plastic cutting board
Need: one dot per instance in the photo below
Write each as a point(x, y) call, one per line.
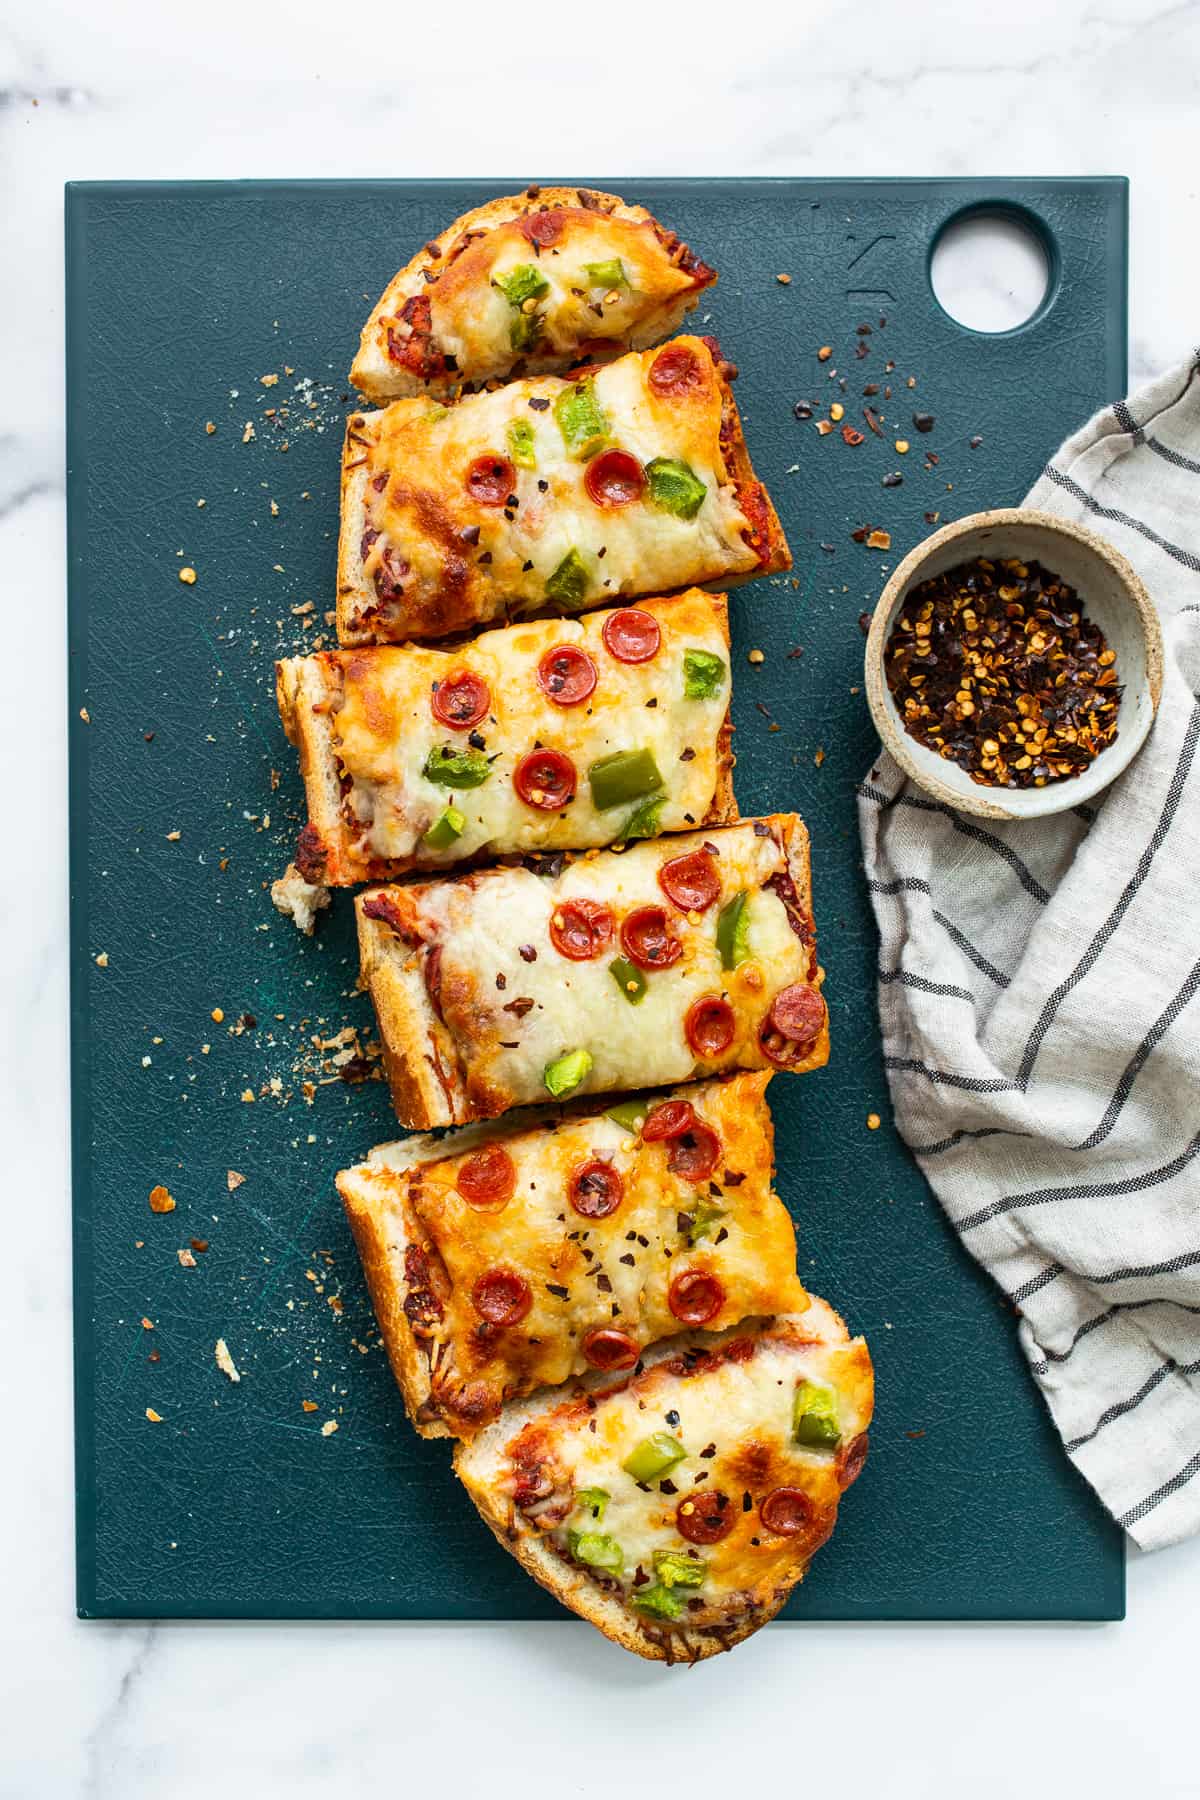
point(180, 297)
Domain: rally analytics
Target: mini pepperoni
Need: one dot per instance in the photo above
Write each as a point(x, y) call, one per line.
point(490, 480)
point(579, 929)
point(545, 779)
point(488, 1179)
point(709, 1025)
point(851, 1462)
point(607, 1348)
point(502, 1297)
point(691, 882)
point(647, 941)
point(798, 1013)
point(543, 227)
point(631, 635)
point(705, 1517)
point(566, 675)
point(695, 1297)
point(695, 1153)
point(615, 479)
point(461, 700)
point(676, 370)
point(787, 1510)
point(668, 1120)
point(596, 1189)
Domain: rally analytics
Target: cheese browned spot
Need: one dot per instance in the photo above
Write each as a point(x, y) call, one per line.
point(596, 1225)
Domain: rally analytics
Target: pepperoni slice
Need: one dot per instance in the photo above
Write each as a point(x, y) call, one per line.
point(615, 479)
point(646, 938)
point(543, 227)
point(669, 1120)
point(596, 1189)
point(691, 882)
point(705, 1517)
point(607, 1348)
point(545, 779)
point(461, 700)
point(695, 1297)
point(490, 480)
point(676, 370)
point(488, 1179)
point(793, 1024)
point(502, 1297)
point(851, 1463)
point(566, 675)
point(579, 929)
point(695, 1153)
point(631, 635)
point(787, 1510)
point(709, 1025)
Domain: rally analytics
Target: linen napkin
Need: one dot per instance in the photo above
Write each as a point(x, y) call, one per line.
point(1041, 1027)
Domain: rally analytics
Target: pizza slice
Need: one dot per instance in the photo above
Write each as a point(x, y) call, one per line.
point(527, 284)
point(678, 1509)
point(674, 959)
point(549, 495)
point(548, 735)
point(504, 1260)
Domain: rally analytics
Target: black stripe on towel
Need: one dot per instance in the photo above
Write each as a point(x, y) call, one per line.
point(1186, 557)
point(1162, 1493)
point(1084, 1190)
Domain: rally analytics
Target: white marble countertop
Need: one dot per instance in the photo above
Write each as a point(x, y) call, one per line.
point(235, 88)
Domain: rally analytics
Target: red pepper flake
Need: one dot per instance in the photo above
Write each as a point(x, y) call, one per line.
point(852, 437)
point(873, 420)
point(824, 353)
point(879, 540)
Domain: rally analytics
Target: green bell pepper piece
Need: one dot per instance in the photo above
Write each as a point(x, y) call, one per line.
point(520, 444)
point(629, 1114)
point(703, 674)
point(525, 282)
point(565, 1073)
point(674, 487)
point(625, 775)
point(593, 1500)
point(445, 830)
point(733, 931)
point(582, 420)
point(674, 1569)
point(814, 1417)
point(629, 979)
point(525, 328)
point(569, 582)
point(596, 1549)
point(456, 768)
point(701, 1219)
point(642, 821)
point(653, 1456)
point(609, 274)
point(658, 1600)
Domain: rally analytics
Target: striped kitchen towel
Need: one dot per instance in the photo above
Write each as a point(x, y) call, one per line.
point(1041, 1031)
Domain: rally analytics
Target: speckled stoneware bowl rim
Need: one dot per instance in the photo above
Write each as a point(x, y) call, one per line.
point(970, 797)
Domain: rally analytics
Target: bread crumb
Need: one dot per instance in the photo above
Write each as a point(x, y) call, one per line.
point(85, 715)
point(186, 1259)
point(225, 1362)
point(173, 837)
point(154, 1418)
point(329, 1427)
point(755, 656)
point(209, 427)
point(233, 1179)
point(784, 280)
point(187, 575)
point(147, 1324)
point(248, 1096)
point(268, 380)
point(161, 1201)
point(298, 899)
point(102, 960)
point(824, 353)
point(879, 540)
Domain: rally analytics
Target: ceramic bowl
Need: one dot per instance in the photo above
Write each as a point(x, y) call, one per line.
point(1112, 596)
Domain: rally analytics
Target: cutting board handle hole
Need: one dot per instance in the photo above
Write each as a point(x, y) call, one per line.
point(993, 267)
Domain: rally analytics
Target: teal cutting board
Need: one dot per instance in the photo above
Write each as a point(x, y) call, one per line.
point(236, 1500)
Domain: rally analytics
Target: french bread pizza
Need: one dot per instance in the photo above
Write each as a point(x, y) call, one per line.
point(419, 757)
point(502, 1260)
point(527, 284)
point(552, 494)
point(674, 959)
point(677, 1509)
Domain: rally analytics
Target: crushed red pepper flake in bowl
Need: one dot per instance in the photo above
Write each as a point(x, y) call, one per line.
point(996, 667)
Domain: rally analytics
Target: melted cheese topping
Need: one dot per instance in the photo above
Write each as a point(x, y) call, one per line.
point(386, 729)
point(740, 1413)
point(472, 320)
point(483, 924)
point(587, 1273)
point(425, 507)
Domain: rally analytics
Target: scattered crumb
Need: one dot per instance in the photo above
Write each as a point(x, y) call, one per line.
point(329, 1427)
point(824, 426)
point(161, 1201)
point(217, 1015)
point(298, 899)
point(248, 1096)
point(873, 1121)
point(837, 411)
point(824, 353)
point(756, 657)
point(154, 1418)
point(225, 1362)
point(173, 837)
point(268, 380)
point(187, 575)
point(85, 715)
point(784, 280)
point(147, 1324)
point(308, 1406)
point(901, 446)
point(819, 756)
point(186, 1259)
point(233, 1179)
point(102, 960)
point(879, 540)
point(209, 427)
